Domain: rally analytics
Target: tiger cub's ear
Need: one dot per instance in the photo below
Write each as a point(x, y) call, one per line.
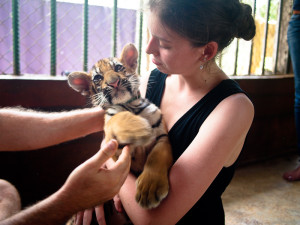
point(80, 81)
point(129, 57)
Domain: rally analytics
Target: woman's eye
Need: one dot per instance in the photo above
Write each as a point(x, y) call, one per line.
point(164, 47)
point(119, 68)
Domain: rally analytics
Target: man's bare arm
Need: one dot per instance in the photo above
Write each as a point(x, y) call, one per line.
point(22, 129)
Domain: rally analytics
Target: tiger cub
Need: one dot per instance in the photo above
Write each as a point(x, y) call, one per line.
point(130, 119)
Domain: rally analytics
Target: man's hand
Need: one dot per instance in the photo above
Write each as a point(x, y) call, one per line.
point(87, 186)
point(90, 184)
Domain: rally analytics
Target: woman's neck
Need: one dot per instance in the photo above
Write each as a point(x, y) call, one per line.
point(201, 80)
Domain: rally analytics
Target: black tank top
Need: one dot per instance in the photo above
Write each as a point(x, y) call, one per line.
point(209, 209)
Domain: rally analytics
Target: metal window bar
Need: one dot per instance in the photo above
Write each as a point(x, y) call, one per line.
point(114, 33)
point(251, 47)
point(266, 37)
point(278, 36)
point(236, 56)
point(140, 35)
point(16, 43)
point(85, 34)
point(53, 39)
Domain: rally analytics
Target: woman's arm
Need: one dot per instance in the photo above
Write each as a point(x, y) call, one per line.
point(22, 129)
point(218, 144)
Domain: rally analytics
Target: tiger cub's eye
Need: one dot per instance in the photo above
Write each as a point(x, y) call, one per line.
point(97, 78)
point(119, 68)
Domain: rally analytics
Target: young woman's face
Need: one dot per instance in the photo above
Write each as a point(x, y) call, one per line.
point(172, 54)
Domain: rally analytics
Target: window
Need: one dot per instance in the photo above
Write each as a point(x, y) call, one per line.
point(54, 37)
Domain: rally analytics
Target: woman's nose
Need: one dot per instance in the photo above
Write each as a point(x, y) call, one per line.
point(150, 49)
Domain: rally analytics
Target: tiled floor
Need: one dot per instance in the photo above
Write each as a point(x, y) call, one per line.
point(259, 195)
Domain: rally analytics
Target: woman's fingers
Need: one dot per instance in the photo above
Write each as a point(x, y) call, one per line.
point(100, 215)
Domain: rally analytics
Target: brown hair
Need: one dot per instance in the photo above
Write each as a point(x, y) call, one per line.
point(203, 21)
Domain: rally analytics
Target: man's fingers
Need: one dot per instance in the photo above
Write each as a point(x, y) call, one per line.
point(107, 151)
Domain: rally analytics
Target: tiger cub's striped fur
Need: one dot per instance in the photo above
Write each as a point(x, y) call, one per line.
point(131, 120)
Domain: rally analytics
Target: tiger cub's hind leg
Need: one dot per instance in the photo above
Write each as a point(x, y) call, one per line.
point(128, 128)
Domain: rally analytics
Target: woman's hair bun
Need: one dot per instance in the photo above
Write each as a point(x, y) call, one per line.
point(203, 21)
point(244, 23)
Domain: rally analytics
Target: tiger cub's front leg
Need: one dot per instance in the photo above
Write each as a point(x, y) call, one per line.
point(153, 183)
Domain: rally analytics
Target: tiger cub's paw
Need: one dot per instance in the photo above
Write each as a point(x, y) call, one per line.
point(128, 128)
point(152, 188)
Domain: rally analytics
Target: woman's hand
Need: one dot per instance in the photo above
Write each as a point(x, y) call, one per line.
point(85, 217)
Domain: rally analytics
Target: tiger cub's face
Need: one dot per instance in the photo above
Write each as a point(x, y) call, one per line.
point(111, 80)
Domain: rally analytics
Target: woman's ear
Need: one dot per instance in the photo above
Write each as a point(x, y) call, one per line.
point(209, 51)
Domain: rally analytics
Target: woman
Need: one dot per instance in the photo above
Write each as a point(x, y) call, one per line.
point(207, 115)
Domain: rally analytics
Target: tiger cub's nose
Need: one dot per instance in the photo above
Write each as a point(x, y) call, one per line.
point(114, 83)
